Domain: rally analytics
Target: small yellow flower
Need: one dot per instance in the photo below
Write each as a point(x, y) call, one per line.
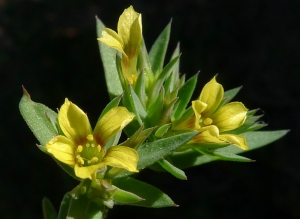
point(212, 121)
point(127, 41)
point(83, 149)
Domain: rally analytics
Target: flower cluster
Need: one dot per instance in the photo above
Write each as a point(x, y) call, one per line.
point(150, 102)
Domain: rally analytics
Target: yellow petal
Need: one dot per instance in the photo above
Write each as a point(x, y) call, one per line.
point(112, 39)
point(87, 172)
point(211, 94)
point(111, 123)
point(73, 122)
point(198, 108)
point(230, 116)
point(63, 149)
point(130, 28)
point(237, 140)
point(208, 134)
point(122, 157)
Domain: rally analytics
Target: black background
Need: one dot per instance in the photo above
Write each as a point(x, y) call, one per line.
point(50, 47)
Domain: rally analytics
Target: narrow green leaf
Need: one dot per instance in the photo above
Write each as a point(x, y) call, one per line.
point(145, 57)
point(153, 197)
point(160, 80)
point(64, 206)
point(158, 50)
point(184, 96)
point(38, 117)
point(108, 57)
point(125, 197)
point(162, 130)
point(138, 106)
point(178, 173)
point(48, 209)
point(149, 153)
point(139, 88)
point(230, 94)
point(113, 103)
point(172, 80)
point(223, 155)
point(255, 140)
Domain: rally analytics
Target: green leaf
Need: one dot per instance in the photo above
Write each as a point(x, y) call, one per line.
point(138, 137)
point(82, 207)
point(149, 153)
point(113, 103)
point(125, 197)
point(255, 140)
point(223, 155)
point(138, 106)
point(64, 206)
point(154, 198)
point(108, 57)
point(158, 50)
point(39, 119)
point(48, 209)
point(178, 173)
point(172, 80)
point(184, 96)
point(160, 80)
point(230, 94)
point(162, 130)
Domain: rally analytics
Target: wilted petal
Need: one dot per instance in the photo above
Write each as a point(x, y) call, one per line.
point(112, 39)
point(73, 121)
point(111, 123)
point(230, 116)
point(122, 157)
point(62, 149)
point(87, 172)
point(238, 140)
point(211, 94)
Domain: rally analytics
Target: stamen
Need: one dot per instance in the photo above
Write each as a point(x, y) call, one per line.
point(90, 137)
point(93, 145)
point(80, 160)
point(99, 148)
point(87, 144)
point(94, 160)
point(79, 148)
point(207, 121)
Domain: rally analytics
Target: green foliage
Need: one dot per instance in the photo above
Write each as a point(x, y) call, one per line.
point(108, 57)
point(39, 118)
point(48, 209)
point(159, 49)
point(153, 197)
point(255, 140)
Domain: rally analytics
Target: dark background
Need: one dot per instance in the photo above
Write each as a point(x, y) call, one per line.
point(50, 47)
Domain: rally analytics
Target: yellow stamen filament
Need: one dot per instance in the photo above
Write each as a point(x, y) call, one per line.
point(207, 121)
point(90, 137)
point(80, 160)
point(79, 148)
point(99, 148)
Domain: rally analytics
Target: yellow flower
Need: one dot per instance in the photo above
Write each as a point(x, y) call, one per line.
point(212, 121)
point(83, 149)
point(127, 41)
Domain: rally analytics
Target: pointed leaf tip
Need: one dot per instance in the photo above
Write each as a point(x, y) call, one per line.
point(25, 92)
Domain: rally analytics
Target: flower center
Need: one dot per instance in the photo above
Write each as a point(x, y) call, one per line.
point(89, 153)
point(207, 121)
